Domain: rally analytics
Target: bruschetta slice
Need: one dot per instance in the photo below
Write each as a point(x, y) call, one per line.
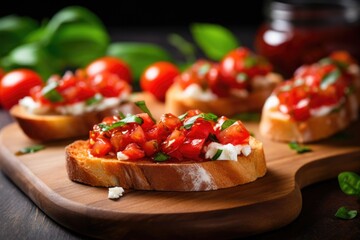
point(316, 103)
point(195, 151)
point(240, 82)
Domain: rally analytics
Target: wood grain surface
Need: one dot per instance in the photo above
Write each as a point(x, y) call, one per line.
point(266, 204)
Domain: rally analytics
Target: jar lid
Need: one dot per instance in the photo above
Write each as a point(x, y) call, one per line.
point(314, 11)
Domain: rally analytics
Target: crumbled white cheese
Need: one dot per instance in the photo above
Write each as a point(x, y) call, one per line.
point(196, 92)
point(33, 107)
point(115, 192)
point(324, 110)
point(74, 109)
point(229, 151)
point(122, 156)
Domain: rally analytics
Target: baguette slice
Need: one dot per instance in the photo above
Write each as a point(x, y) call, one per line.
point(52, 127)
point(177, 104)
point(279, 127)
point(147, 175)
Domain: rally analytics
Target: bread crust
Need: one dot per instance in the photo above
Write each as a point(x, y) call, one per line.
point(284, 129)
point(148, 175)
point(52, 127)
point(226, 106)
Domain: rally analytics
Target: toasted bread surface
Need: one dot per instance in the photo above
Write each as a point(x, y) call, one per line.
point(148, 175)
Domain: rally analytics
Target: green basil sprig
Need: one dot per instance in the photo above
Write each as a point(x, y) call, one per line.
point(299, 148)
point(213, 39)
point(145, 109)
point(345, 213)
point(30, 149)
point(349, 183)
point(207, 116)
point(161, 157)
point(129, 119)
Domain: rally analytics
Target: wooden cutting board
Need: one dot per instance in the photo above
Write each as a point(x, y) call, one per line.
point(266, 204)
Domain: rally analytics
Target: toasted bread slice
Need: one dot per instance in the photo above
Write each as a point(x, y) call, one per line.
point(280, 127)
point(253, 101)
point(148, 175)
point(49, 127)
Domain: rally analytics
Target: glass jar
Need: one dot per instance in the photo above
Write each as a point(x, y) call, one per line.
point(300, 32)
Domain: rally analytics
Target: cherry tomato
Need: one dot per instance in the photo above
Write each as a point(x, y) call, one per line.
point(112, 65)
point(157, 78)
point(16, 84)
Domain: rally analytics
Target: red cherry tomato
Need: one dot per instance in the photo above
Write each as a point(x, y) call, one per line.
point(158, 77)
point(16, 84)
point(110, 64)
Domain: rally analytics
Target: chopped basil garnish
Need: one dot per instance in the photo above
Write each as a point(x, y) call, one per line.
point(182, 117)
point(227, 123)
point(217, 154)
point(95, 99)
point(204, 69)
point(30, 149)
point(207, 116)
point(250, 61)
point(50, 92)
point(299, 148)
point(241, 77)
point(122, 115)
point(329, 79)
point(247, 117)
point(345, 213)
point(129, 119)
point(161, 157)
point(349, 183)
point(144, 108)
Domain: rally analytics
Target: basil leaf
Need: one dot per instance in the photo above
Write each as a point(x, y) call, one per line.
point(247, 117)
point(129, 119)
point(30, 149)
point(345, 213)
point(138, 55)
point(95, 99)
point(33, 56)
point(207, 116)
point(182, 117)
point(13, 30)
point(227, 123)
point(144, 108)
point(161, 157)
point(183, 46)
point(329, 79)
point(241, 77)
point(349, 183)
point(78, 44)
point(76, 35)
point(299, 148)
point(217, 154)
point(213, 39)
point(50, 92)
point(250, 61)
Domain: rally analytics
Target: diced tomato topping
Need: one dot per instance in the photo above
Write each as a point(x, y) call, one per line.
point(321, 84)
point(235, 134)
point(192, 148)
point(151, 147)
point(133, 151)
point(180, 139)
point(101, 147)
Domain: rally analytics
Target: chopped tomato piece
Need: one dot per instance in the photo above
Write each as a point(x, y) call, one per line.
point(133, 151)
point(101, 147)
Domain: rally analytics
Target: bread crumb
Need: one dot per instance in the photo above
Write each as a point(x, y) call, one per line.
point(115, 192)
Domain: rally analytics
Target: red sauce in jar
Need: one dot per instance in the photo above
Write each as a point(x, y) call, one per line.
point(302, 32)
